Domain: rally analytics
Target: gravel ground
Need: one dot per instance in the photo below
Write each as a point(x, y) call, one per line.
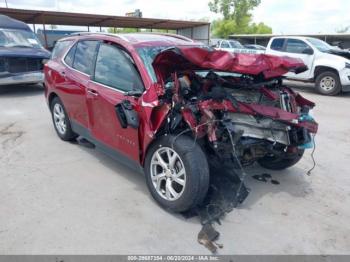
point(61, 198)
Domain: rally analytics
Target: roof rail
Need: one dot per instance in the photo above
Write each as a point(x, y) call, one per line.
point(90, 33)
point(99, 33)
point(172, 35)
point(187, 39)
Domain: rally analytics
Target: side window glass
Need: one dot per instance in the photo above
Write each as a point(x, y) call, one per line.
point(59, 48)
point(296, 46)
point(115, 69)
point(277, 44)
point(224, 44)
point(84, 56)
point(69, 59)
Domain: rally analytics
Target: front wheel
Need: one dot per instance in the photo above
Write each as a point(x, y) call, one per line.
point(280, 163)
point(328, 83)
point(177, 173)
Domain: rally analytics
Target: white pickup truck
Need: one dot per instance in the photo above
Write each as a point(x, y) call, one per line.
point(328, 67)
point(236, 47)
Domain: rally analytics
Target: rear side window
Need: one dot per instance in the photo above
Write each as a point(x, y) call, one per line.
point(277, 44)
point(60, 48)
point(296, 46)
point(69, 59)
point(115, 68)
point(84, 56)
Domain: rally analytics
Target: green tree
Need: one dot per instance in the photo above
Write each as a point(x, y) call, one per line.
point(237, 18)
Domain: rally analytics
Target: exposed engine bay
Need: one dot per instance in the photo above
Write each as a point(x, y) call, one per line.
point(238, 113)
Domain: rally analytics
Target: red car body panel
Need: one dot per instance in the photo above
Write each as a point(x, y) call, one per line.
point(194, 58)
point(96, 113)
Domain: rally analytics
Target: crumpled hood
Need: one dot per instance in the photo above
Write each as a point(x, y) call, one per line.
point(196, 58)
point(24, 52)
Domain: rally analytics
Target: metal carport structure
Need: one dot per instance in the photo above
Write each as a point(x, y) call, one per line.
point(196, 30)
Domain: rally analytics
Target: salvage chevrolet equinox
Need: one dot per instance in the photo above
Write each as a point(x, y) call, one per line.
point(173, 108)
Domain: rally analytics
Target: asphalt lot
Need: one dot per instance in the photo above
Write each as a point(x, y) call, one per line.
point(61, 198)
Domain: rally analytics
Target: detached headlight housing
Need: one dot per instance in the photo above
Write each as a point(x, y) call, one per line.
point(347, 65)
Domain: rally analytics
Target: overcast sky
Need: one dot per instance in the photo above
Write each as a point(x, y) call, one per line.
point(284, 16)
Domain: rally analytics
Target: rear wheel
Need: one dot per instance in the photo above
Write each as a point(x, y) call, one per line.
point(61, 121)
point(280, 163)
point(177, 173)
point(328, 83)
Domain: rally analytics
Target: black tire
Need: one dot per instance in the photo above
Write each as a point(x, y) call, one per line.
point(332, 77)
point(196, 168)
point(68, 134)
point(280, 163)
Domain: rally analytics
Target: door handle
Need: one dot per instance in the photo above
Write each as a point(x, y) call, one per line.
point(92, 92)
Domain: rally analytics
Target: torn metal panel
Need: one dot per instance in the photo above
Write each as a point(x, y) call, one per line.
point(195, 58)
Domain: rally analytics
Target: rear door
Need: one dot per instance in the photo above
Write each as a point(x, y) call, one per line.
point(114, 74)
point(75, 77)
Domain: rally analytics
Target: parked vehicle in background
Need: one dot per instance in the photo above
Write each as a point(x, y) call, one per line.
point(234, 46)
point(328, 67)
point(171, 107)
point(255, 47)
point(50, 37)
point(21, 54)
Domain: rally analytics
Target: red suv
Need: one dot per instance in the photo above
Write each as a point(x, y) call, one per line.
point(172, 108)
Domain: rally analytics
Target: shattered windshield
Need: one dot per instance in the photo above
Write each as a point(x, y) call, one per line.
point(147, 55)
point(320, 45)
point(18, 38)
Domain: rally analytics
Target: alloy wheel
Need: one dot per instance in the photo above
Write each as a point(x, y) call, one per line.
point(59, 119)
point(168, 174)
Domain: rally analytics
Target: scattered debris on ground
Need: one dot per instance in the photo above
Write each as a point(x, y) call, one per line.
point(227, 190)
point(207, 237)
point(266, 178)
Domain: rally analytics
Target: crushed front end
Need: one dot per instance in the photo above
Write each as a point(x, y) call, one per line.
point(237, 109)
point(236, 106)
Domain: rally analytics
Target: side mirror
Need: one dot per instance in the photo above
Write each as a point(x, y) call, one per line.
point(308, 51)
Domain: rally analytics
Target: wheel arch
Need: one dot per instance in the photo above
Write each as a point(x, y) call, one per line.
point(162, 131)
point(51, 97)
point(322, 69)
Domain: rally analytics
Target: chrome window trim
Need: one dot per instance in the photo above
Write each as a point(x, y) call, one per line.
point(109, 87)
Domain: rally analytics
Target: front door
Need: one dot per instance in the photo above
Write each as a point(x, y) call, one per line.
point(114, 75)
point(299, 49)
